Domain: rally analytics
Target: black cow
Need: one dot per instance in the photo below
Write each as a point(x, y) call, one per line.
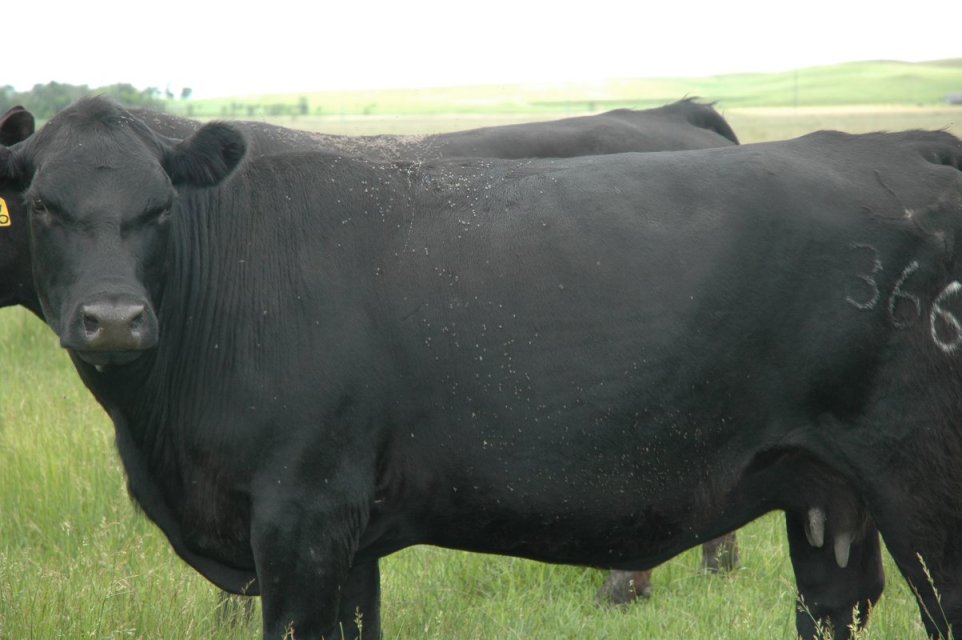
point(318, 360)
point(685, 124)
point(599, 360)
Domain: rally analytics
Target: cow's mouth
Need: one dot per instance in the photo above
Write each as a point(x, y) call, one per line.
point(103, 359)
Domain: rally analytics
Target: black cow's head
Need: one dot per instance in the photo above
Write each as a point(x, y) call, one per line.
point(101, 187)
point(16, 281)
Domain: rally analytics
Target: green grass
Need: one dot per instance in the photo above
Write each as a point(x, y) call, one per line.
point(854, 83)
point(78, 561)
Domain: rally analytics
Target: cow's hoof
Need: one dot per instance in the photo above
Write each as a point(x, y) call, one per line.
point(623, 587)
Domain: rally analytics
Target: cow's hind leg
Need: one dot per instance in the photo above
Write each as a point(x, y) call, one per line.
point(622, 587)
point(937, 591)
point(927, 548)
point(838, 572)
point(233, 610)
point(720, 554)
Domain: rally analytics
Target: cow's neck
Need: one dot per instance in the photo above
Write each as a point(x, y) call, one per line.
point(160, 405)
point(140, 421)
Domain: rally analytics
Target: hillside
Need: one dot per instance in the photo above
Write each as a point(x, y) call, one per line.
point(880, 82)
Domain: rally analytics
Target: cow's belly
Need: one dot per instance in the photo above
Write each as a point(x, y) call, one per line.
point(612, 510)
point(621, 535)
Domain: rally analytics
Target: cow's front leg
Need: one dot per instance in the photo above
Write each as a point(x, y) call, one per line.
point(304, 554)
point(837, 573)
point(360, 610)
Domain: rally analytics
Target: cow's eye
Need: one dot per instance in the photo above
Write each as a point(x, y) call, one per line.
point(157, 215)
point(40, 211)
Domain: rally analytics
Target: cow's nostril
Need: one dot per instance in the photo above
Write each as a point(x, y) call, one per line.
point(137, 319)
point(91, 323)
point(115, 326)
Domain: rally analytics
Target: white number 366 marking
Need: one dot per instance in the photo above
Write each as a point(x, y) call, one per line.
point(944, 327)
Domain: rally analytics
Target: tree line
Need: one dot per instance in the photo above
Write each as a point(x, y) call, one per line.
point(44, 100)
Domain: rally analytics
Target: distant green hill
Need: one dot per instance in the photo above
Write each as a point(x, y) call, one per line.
point(880, 82)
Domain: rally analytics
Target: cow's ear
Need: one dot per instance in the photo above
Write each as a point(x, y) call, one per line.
point(207, 157)
point(16, 125)
point(12, 170)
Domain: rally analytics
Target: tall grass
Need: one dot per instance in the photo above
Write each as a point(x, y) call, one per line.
point(78, 561)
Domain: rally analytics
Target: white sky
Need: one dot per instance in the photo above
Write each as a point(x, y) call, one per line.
point(268, 46)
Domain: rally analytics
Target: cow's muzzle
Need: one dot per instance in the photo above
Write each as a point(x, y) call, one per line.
point(111, 331)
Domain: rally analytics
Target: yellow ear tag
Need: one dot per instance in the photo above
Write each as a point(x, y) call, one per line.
point(4, 214)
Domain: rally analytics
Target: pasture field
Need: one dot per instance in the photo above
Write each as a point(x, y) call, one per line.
point(878, 82)
point(78, 561)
